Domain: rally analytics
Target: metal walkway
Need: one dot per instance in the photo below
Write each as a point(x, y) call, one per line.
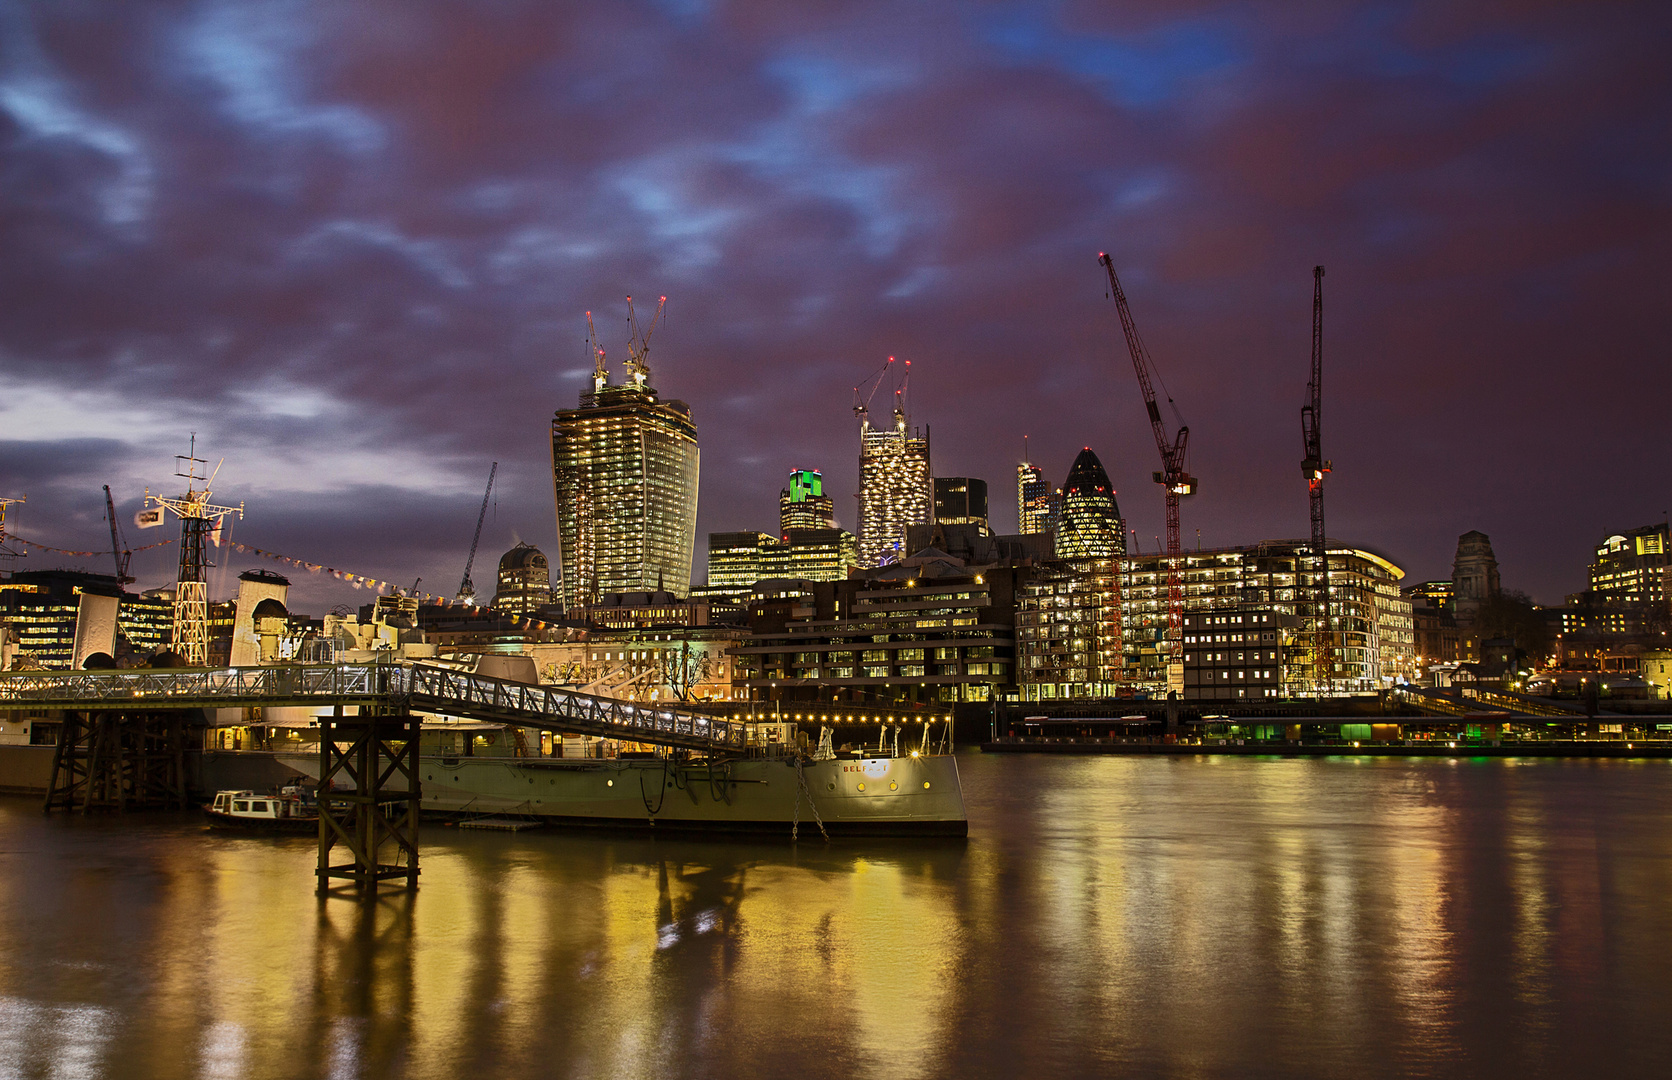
point(395, 687)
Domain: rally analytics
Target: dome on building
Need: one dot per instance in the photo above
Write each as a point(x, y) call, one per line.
point(524, 580)
point(522, 557)
point(1090, 525)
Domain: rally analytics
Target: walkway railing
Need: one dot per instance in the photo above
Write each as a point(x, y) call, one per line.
point(401, 686)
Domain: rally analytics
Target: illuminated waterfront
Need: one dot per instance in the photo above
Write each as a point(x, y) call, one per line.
point(1117, 916)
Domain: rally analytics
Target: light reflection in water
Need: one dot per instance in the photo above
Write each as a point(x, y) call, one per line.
point(1112, 915)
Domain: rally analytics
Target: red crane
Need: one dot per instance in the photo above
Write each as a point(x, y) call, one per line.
point(1172, 477)
point(1314, 467)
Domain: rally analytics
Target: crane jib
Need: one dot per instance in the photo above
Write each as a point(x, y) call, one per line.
point(1154, 412)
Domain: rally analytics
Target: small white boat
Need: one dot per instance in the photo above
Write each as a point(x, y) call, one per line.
point(293, 809)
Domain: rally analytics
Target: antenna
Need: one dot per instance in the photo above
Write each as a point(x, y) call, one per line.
point(198, 518)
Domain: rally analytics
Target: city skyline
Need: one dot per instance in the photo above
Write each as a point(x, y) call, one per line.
point(360, 297)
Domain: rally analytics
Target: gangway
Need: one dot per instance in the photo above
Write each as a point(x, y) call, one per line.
point(389, 687)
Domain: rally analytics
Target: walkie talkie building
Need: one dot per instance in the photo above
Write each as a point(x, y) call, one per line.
point(624, 468)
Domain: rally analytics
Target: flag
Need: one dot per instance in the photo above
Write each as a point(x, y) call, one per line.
point(149, 519)
point(215, 533)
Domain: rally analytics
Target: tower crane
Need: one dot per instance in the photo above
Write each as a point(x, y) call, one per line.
point(595, 352)
point(1314, 467)
point(467, 591)
point(118, 542)
point(638, 345)
point(1173, 478)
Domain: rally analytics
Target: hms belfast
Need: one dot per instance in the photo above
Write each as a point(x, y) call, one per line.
point(499, 735)
point(625, 467)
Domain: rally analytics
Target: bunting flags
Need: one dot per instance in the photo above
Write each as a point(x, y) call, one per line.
point(380, 587)
point(358, 581)
point(86, 554)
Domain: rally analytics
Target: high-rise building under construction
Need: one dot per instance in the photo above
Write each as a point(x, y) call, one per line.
point(624, 468)
point(896, 488)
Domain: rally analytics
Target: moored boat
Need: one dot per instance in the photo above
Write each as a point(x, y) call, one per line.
point(292, 810)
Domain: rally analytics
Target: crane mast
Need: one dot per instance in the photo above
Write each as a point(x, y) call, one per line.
point(1173, 478)
point(467, 591)
point(1314, 467)
point(118, 547)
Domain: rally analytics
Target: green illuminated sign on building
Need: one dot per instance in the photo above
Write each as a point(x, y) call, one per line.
point(805, 483)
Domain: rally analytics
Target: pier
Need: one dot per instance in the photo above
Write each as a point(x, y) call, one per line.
point(122, 743)
point(389, 686)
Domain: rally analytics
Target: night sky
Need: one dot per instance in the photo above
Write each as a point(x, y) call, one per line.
point(351, 245)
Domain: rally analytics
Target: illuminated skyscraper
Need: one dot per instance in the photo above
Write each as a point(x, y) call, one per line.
point(896, 489)
point(804, 505)
point(1089, 525)
point(1033, 498)
point(624, 469)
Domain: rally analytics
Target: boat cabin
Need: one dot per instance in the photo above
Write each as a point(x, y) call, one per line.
point(291, 803)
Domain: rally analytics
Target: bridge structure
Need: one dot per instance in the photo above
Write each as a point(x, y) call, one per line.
point(122, 743)
point(380, 687)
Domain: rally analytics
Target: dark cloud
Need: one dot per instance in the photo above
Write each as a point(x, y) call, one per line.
point(351, 246)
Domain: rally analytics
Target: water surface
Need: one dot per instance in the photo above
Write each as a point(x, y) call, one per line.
point(1197, 917)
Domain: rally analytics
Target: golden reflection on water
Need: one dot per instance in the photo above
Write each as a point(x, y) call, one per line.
point(1189, 916)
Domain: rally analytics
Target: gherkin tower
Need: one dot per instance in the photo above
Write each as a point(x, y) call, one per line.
point(1090, 525)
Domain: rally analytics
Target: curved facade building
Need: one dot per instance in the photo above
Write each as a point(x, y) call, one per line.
point(1089, 525)
point(525, 580)
point(624, 466)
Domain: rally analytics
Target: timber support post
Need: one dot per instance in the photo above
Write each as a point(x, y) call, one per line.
point(368, 799)
point(108, 760)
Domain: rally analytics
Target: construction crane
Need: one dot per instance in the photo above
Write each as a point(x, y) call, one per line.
point(1314, 467)
point(5, 551)
point(1172, 477)
point(118, 543)
point(467, 591)
point(638, 345)
point(595, 352)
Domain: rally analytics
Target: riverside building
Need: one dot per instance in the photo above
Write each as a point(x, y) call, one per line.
point(625, 476)
point(1630, 568)
point(1067, 646)
point(1374, 643)
point(1068, 631)
point(896, 488)
point(928, 629)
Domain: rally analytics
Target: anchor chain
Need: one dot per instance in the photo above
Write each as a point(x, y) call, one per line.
point(801, 789)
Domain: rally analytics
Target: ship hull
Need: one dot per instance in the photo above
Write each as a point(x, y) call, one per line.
point(218, 820)
point(903, 796)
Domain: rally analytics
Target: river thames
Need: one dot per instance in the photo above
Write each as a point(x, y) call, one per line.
point(1192, 917)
